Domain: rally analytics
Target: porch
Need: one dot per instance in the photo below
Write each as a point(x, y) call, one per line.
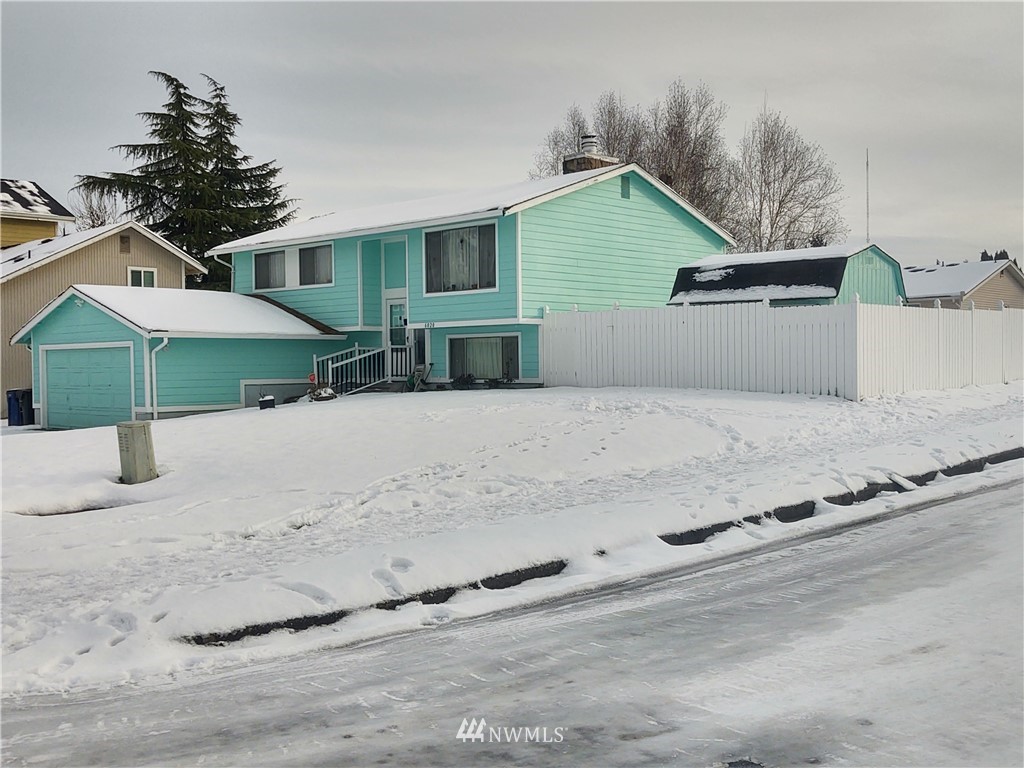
point(360, 368)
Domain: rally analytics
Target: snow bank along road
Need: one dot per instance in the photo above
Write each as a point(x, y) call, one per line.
point(898, 643)
point(321, 508)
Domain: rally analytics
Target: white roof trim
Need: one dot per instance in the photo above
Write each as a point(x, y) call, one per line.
point(590, 178)
point(30, 216)
point(39, 316)
point(100, 235)
point(618, 170)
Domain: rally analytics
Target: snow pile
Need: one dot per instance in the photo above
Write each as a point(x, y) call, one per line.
point(312, 508)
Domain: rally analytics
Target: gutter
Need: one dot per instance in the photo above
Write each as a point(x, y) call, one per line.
point(231, 266)
point(152, 368)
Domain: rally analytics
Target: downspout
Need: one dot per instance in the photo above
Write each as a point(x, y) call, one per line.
point(152, 372)
point(231, 266)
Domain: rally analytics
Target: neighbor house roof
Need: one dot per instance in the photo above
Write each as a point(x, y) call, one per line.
point(180, 312)
point(26, 199)
point(947, 280)
point(16, 259)
point(478, 203)
point(804, 273)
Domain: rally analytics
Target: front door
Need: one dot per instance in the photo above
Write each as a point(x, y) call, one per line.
point(399, 348)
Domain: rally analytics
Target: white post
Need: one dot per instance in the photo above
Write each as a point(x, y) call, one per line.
point(937, 304)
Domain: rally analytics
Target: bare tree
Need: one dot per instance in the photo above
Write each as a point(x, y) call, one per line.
point(685, 148)
point(679, 140)
point(93, 208)
point(788, 193)
point(561, 141)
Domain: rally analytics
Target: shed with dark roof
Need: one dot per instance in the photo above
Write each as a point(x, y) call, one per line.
point(828, 275)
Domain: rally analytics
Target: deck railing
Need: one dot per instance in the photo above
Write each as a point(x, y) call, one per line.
point(352, 370)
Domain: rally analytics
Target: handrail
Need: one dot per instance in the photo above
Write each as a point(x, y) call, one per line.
point(352, 370)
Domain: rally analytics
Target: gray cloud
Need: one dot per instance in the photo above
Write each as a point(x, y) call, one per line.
point(363, 103)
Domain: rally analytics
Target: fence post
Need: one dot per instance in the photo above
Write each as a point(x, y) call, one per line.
point(974, 342)
point(1002, 339)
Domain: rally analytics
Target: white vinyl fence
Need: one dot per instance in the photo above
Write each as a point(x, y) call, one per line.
point(849, 350)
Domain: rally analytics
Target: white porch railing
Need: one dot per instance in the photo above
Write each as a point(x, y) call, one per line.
point(352, 370)
point(401, 362)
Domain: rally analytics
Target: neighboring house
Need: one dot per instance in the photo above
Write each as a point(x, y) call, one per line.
point(828, 275)
point(28, 212)
point(33, 273)
point(103, 354)
point(955, 286)
point(461, 281)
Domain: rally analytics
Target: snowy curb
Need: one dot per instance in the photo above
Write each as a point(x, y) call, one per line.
point(788, 513)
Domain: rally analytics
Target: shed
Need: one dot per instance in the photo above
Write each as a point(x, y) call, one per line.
point(103, 354)
point(827, 275)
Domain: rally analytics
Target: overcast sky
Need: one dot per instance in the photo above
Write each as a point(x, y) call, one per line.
point(368, 103)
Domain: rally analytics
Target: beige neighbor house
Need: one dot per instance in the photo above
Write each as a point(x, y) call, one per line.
point(955, 286)
point(28, 212)
point(36, 272)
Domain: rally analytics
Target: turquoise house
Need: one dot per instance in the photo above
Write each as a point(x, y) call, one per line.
point(103, 354)
point(460, 283)
point(826, 275)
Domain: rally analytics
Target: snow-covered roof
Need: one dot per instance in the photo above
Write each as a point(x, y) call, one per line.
point(770, 257)
point(948, 279)
point(708, 282)
point(26, 199)
point(181, 312)
point(478, 203)
point(16, 259)
point(755, 293)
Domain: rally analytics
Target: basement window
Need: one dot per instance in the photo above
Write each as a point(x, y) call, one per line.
point(485, 357)
point(141, 277)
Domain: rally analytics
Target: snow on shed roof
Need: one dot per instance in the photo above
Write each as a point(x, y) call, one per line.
point(492, 201)
point(181, 312)
point(771, 257)
point(28, 199)
point(15, 259)
point(948, 279)
point(819, 278)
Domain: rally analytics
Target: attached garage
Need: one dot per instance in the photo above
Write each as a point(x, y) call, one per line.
point(105, 354)
point(87, 386)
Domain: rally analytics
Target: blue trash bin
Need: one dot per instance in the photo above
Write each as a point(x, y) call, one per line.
point(28, 413)
point(14, 408)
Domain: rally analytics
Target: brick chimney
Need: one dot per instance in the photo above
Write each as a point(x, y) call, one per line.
point(588, 159)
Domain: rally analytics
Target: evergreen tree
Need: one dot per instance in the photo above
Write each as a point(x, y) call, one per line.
point(192, 184)
point(986, 256)
point(247, 198)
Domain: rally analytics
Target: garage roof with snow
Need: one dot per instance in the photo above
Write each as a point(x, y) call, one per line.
point(942, 280)
point(176, 312)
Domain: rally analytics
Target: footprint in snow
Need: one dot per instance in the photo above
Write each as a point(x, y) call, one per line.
point(387, 580)
point(401, 564)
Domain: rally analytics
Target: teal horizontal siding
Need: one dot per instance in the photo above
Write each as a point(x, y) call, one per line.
point(874, 276)
point(466, 305)
point(336, 305)
point(85, 324)
point(529, 349)
point(372, 289)
point(592, 248)
point(209, 371)
point(394, 264)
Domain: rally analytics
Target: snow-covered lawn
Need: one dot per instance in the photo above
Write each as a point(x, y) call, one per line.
point(306, 509)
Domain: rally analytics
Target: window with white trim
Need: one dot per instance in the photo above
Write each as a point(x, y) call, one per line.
point(485, 357)
point(298, 267)
point(269, 270)
point(315, 265)
point(461, 259)
point(141, 277)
